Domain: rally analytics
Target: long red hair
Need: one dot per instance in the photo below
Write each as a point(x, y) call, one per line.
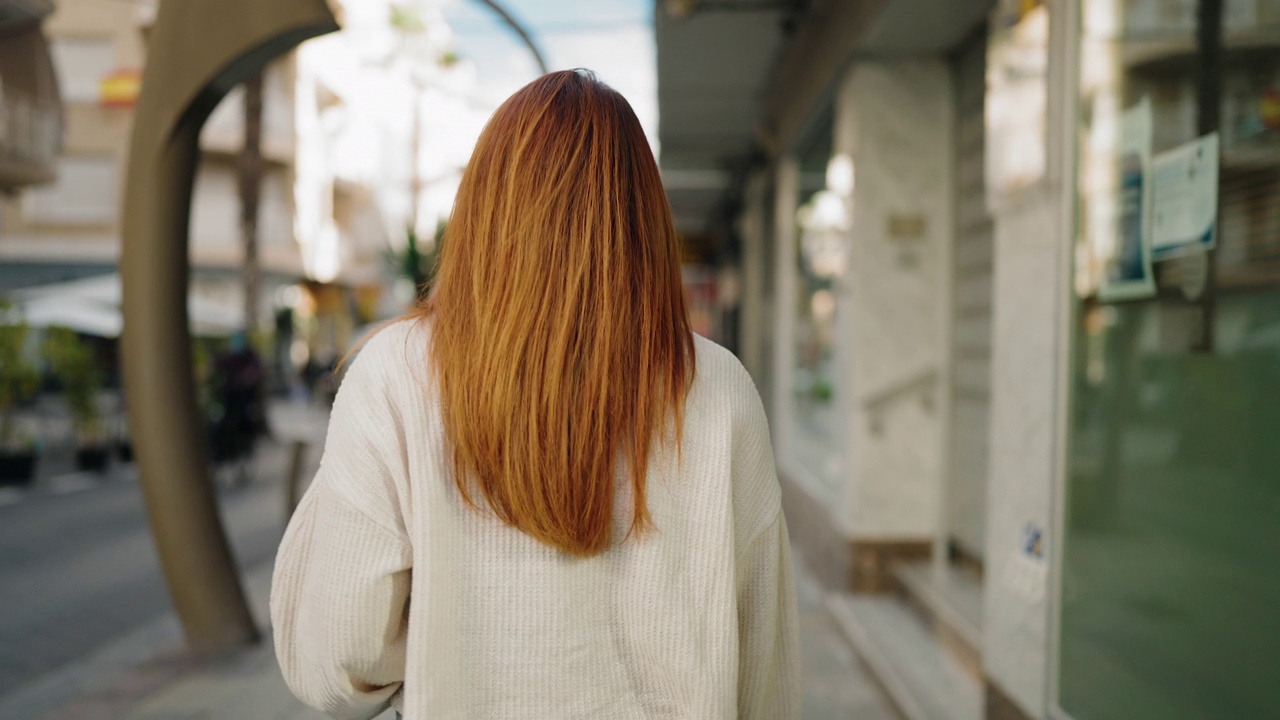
point(561, 342)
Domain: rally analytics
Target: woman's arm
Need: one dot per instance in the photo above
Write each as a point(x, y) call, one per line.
point(768, 633)
point(769, 684)
point(339, 603)
point(340, 593)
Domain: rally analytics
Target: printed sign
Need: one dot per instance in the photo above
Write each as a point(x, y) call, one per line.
point(1184, 198)
point(1127, 267)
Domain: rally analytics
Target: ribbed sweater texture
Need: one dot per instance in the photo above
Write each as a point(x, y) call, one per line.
point(389, 590)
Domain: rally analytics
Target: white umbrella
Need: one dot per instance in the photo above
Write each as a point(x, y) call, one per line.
point(208, 318)
point(80, 315)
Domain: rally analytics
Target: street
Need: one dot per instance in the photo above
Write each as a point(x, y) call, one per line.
point(78, 567)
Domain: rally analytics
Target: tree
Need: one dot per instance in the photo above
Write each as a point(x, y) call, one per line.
point(18, 377)
point(73, 363)
point(251, 170)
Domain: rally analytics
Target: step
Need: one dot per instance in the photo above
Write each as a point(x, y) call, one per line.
point(949, 600)
point(925, 680)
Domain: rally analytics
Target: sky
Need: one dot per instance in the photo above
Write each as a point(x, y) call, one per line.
point(369, 138)
point(614, 38)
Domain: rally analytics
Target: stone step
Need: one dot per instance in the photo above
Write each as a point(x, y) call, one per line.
point(949, 601)
point(925, 680)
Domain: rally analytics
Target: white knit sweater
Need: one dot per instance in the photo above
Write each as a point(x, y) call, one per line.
point(389, 590)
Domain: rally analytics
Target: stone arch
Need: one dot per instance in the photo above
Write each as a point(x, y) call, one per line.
point(198, 51)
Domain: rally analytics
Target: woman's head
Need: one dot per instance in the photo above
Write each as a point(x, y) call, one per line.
point(560, 337)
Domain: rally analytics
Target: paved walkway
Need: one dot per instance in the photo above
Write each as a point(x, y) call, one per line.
point(248, 685)
point(836, 685)
point(147, 676)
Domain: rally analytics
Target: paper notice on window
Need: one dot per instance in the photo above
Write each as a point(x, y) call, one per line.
point(1184, 198)
point(1126, 250)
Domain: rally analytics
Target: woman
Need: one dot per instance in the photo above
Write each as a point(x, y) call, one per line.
point(541, 495)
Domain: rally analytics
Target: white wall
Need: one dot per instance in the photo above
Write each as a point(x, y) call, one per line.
point(215, 218)
point(896, 114)
point(86, 192)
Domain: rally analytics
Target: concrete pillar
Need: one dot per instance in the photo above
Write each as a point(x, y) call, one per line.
point(752, 322)
point(896, 119)
point(1023, 465)
point(786, 196)
point(1030, 362)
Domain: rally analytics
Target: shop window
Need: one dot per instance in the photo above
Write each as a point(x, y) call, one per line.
point(1168, 582)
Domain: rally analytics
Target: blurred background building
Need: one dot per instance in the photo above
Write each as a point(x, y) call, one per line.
point(322, 243)
point(30, 107)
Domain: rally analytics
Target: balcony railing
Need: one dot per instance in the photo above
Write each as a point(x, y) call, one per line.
point(30, 128)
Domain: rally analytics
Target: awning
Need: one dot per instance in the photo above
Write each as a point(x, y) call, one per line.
point(92, 306)
point(712, 71)
point(729, 81)
point(30, 105)
point(83, 316)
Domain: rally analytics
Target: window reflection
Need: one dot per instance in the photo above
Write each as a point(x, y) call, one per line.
point(1168, 587)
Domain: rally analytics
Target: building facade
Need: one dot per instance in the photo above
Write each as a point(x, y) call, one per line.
point(1006, 271)
point(67, 227)
point(30, 107)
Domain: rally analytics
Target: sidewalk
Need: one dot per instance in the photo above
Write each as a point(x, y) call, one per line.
point(147, 675)
point(248, 686)
point(836, 684)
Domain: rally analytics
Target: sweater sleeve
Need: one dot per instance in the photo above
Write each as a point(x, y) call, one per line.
point(340, 589)
point(339, 607)
point(768, 633)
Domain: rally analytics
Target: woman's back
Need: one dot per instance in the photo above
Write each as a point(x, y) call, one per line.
point(693, 620)
point(541, 496)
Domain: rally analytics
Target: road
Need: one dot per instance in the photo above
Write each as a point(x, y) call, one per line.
point(78, 568)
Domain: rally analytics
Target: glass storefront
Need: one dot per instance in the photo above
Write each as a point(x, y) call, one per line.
point(1171, 545)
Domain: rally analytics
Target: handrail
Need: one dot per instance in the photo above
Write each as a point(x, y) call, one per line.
point(922, 380)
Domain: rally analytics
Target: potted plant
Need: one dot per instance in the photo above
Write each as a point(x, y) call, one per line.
point(73, 365)
point(18, 383)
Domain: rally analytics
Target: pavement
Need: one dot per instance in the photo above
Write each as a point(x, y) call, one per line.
point(836, 684)
point(78, 567)
point(164, 684)
point(87, 633)
point(81, 593)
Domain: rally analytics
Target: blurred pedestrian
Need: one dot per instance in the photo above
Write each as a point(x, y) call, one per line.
point(577, 493)
point(238, 384)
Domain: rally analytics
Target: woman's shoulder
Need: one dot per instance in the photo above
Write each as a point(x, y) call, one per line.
point(722, 373)
point(718, 364)
point(394, 352)
point(727, 395)
point(722, 382)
